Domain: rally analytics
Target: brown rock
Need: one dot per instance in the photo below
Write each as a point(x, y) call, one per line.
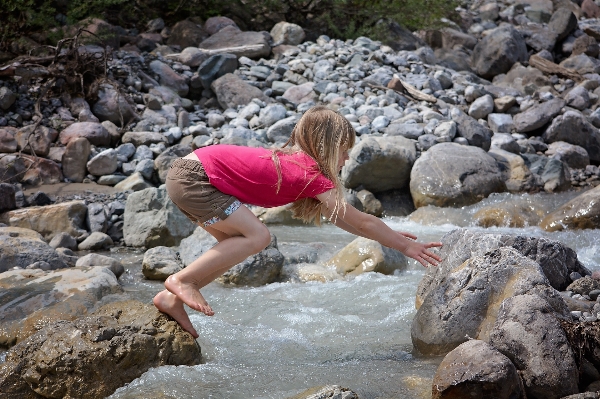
point(75, 158)
point(585, 44)
point(301, 93)
point(215, 24)
point(94, 132)
point(8, 143)
point(41, 171)
point(186, 34)
point(582, 212)
point(233, 91)
point(12, 168)
point(508, 215)
point(248, 44)
point(590, 9)
point(35, 142)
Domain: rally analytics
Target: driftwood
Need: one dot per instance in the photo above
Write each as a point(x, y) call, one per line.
point(405, 89)
point(221, 50)
point(551, 68)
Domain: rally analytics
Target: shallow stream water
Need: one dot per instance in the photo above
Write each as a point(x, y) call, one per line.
point(278, 340)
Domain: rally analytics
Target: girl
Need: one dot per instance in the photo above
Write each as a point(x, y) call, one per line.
point(210, 184)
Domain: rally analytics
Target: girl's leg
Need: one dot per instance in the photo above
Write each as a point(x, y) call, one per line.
point(242, 235)
point(170, 304)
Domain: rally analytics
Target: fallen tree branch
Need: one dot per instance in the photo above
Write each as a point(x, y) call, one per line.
point(551, 68)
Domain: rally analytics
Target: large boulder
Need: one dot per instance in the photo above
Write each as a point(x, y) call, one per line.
point(169, 78)
point(113, 106)
point(35, 142)
point(93, 259)
point(450, 174)
point(232, 91)
point(21, 247)
point(517, 176)
point(287, 33)
point(528, 332)
point(538, 115)
point(94, 132)
point(160, 262)
point(475, 133)
point(186, 33)
point(363, 255)
point(166, 158)
point(93, 356)
point(572, 127)
point(34, 298)
point(74, 159)
point(582, 212)
point(465, 304)
point(380, 163)
point(40, 171)
point(216, 66)
point(259, 269)
point(556, 260)
point(498, 51)
point(242, 44)
point(68, 217)
point(151, 219)
point(476, 370)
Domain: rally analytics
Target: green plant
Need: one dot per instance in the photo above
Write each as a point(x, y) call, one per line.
point(22, 16)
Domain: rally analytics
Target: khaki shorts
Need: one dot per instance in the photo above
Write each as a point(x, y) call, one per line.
point(189, 189)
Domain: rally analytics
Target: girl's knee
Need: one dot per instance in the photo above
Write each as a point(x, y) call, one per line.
point(263, 239)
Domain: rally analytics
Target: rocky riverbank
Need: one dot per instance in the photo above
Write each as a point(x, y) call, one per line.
point(507, 102)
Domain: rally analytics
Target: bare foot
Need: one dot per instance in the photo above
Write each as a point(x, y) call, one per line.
point(189, 294)
point(171, 305)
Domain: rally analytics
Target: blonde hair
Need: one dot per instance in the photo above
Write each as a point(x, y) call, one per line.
point(322, 134)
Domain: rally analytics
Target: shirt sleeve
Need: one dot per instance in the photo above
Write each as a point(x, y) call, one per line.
point(319, 185)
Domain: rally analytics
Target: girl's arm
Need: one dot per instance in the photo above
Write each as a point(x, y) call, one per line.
point(369, 226)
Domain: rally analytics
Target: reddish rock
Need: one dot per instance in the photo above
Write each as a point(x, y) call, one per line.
point(215, 24)
point(41, 171)
point(590, 9)
point(8, 143)
point(35, 142)
point(94, 132)
point(75, 158)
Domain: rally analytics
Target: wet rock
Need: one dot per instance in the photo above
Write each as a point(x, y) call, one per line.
point(93, 259)
point(95, 241)
point(68, 217)
point(363, 255)
point(160, 262)
point(20, 247)
point(186, 33)
point(584, 285)
point(216, 66)
point(151, 220)
point(232, 91)
point(450, 174)
point(379, 164)
point(242, 44)
point(111, 348)
point(476, 369)
point(582, 212)
point(572, 127)
point(35, 141)
point(498, 51)
point(528, 333)
point(262, 268)
point(508, 215)
point(326, 392)
point(538, 115)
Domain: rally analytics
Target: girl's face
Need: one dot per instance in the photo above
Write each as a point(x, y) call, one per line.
point(342, 158)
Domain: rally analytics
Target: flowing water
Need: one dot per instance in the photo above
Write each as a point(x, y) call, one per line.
point(278, 340)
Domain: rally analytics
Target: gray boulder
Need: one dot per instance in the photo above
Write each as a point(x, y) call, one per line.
point(233, 91)
point(44, 297)
point(169, 78)
point(450, 174)
point(104, 163)
point(537, 116)
point(151, 219)
point(75, 158)
point(93, 356)
point(528, 332)
point(287, 33)
point(242, 44)
point(94, 132)
point(186, 33)
point(93, 259)
point(476, 134)
point(574, 156)
point(160, 262)
point(563, 22)
point(96, 241)
point(262, 268)
point(216, 66)
point(379, 163)
point(572, 127)
point(363, 255)
point(553, 172)
point(476, 369)
point(465, 304)
point(113, 106)
point(166, 158)
point(498, 51)
point(281, 130)
point(20, 247)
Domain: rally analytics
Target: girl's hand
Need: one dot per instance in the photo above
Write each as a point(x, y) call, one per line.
point(420, 253)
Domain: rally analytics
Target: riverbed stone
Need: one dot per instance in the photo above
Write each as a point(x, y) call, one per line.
point(509, 215)
point(169, 78)
point(517, 176)
point(574, 156)
point(464, 304)
point(151, 219)
point(104, 163)
point(498, 51)
point(160, 262)
point(163, 162)
point(186, 33)
point(216, 66)
point(326, 392)
point(538, 115)
point(476, 369)
point(363, 255)
point(450, 174)
point(301, 93)
point(7, 197)
point(113, 106)
point(49, 220)
point(242, 44)
point(287, 33)
point(20, 247)
point(93, 356)
point(259, 269)
point(215, 24)
point(96, 241)
point(475, 133)
point(528, 333)
point(93, 259)
point(75, 158)
point(8, 143)
point(233, 91)
point(47, 296)
point(35, 142)
point(135, 182)
point(94, 132)
point(143, 138)
point(572, 127)
point(40, 171)
point(582, 212)
point(379, 164)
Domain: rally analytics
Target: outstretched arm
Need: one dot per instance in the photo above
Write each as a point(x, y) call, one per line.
point(359, 223)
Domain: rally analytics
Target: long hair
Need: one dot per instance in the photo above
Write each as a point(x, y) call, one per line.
point(322, 134)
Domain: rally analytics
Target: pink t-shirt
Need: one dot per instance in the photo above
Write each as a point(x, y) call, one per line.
point(249, 174)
